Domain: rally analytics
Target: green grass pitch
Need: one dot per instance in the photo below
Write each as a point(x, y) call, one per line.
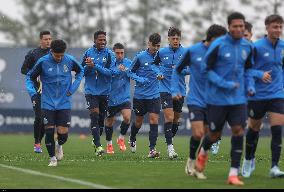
point(121, 170)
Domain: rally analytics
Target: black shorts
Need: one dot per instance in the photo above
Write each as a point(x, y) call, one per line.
point(258, 109)
point(233, 114)
point(197, 113)
point(95, 101)
point(143, 106)
point(57, 118)
point(168, 102)
point(113, 110)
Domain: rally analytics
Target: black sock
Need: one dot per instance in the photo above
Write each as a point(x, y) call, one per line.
point(236, 150)
point(124, 128)
point(168, 133)
point(37, 130)
point(276, 143)
point(175, 129)
point(251, 141)
point(62, 138)
point(101, 122)
point(207, 143)
point(49, 141)
point(95, 129)
point(134, 131)
point(109, 132)
point(194, 145)
point(153, 135)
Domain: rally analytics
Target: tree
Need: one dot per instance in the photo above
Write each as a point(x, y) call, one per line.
point(72, 20)
point(207, 12)
point(148, 16)
point(265, 7)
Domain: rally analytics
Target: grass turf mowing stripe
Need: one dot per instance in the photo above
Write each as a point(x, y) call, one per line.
point(85, 183)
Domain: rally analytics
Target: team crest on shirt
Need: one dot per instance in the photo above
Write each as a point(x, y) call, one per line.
point(146, 64)
point(199, 59)
point(104, 59)
point(266, 54)
point(228, 55)
point(65, 69)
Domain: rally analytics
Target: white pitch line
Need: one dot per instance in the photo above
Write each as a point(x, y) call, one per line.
point(27, 171)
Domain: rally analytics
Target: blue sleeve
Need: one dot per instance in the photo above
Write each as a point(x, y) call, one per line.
point(249, 72)
point(175, 82)
point(78, 77)
point(133, 69)
point(31, 77)
point(184, 62)
point(107, 69)
point(87, 70)
point(210, 60)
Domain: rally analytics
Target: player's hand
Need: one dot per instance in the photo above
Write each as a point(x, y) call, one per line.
point(267, 77)
point(122, 67)
point(68, 94)
point(236, 85)
point(160, 77)
point(251, 93)
point(89, 62)
point(177, 97)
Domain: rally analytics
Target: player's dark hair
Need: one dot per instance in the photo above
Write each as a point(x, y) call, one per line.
point(274, 19)
point(155, 38)
point(235, 15)
point(174, 31)
point(215, 31)
point(42, 33)
point(118, 46)
point(97, 33)
point(248, 26)
point(58, 46)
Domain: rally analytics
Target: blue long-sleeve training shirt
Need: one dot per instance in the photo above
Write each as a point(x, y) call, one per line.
point(56, 81)
point(98, 78)
point(145, 73)
point(167, 59)
point(269, 57)
point(228, 61)
point(120, 85)
point(194, 58)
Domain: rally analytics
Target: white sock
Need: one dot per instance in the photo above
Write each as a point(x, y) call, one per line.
point(203, 152)
point(121, 136)
point(109, 142)
point(170, 147)
point(233, 172)
point(53, 158)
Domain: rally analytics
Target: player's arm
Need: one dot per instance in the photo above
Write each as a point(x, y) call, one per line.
point(78, 69)
point(86, 64)
point(106, 70)
point(132, 72)
point(211, 59)
point(156, 66)
point(264, 76)
point(31, 77)
point(184, 64)
point(28, 63)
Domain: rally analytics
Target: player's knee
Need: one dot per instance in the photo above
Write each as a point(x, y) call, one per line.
point(127, 119)
point(237, 131)
point(198, 135)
